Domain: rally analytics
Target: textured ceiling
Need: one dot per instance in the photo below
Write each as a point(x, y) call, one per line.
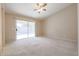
point(26, 9)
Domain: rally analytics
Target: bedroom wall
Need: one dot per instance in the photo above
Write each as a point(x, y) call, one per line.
point(63, 24)
point(39, 28)
point(11, 26)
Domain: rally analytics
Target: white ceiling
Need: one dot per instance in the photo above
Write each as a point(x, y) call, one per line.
point(26, 9)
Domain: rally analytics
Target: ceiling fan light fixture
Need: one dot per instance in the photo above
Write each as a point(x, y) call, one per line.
point(39, 7)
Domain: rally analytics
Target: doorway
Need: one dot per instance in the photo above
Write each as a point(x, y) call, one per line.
point(24, 29)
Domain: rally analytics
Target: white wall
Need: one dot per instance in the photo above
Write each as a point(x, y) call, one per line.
point(63, 24)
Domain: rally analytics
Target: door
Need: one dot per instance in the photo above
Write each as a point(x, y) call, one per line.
point(24, 29)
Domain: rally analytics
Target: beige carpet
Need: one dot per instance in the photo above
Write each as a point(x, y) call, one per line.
point(40, 46)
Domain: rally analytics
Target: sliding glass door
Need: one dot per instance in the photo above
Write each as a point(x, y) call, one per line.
point(24, 29)
point(31, 29)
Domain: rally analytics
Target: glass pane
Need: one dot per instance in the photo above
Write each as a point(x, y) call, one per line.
point(31, 29)
point(21, 27)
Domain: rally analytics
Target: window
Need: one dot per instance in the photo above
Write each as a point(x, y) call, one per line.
point(24, 29)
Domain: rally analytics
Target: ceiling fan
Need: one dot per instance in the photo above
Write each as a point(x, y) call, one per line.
point(39, 7)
